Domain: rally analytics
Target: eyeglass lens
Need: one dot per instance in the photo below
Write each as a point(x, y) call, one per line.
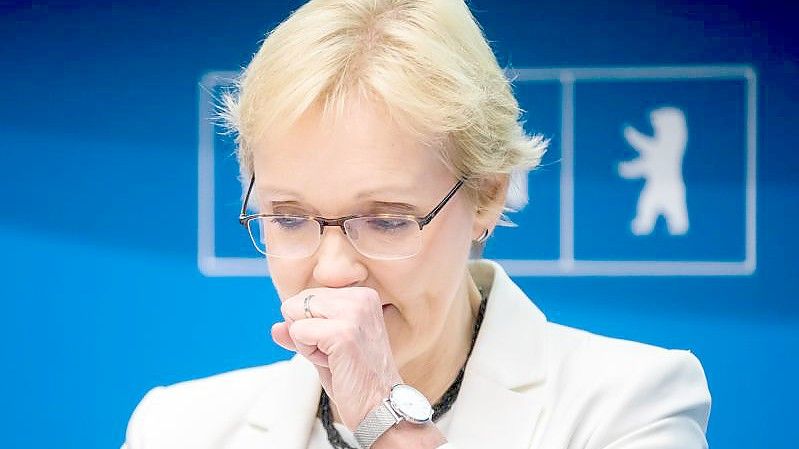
point(380, 237)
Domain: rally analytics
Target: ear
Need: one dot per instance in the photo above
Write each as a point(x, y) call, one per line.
point(494, 191)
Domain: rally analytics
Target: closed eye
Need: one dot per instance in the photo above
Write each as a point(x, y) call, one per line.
point(289, 222)
point(389, 224)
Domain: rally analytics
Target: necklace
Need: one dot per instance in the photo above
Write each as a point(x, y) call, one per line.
point(439, 408)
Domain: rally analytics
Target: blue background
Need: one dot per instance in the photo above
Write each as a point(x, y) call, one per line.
point(101, 298)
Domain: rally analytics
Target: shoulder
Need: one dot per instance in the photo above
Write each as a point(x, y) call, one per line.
point(613, 357)
point(616, 388)
point(214, 403)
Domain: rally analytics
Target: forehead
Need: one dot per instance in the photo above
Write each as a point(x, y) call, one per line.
point(362, 149)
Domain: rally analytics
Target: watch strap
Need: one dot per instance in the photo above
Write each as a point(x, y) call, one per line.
point(376, 423)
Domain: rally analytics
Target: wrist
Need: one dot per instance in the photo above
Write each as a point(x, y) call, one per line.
point(401, 420)
point(408, 435)
point(376, 400)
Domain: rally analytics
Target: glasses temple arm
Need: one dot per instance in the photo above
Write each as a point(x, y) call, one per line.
point(247, 197)
point(427, 218)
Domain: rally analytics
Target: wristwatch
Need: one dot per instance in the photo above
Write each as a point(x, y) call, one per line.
point(403, 402)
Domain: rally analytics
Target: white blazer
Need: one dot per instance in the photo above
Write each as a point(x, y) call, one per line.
point(529, 383)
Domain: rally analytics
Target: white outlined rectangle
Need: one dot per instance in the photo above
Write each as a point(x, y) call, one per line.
point(212, 265)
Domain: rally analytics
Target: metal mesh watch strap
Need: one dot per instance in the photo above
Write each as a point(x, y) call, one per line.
point(380, 419)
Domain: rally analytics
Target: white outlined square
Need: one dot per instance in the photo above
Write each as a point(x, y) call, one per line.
point(212, 265)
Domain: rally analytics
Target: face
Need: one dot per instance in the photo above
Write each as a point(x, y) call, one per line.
point(365, 164)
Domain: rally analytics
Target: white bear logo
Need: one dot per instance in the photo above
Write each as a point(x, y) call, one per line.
point(660, 164)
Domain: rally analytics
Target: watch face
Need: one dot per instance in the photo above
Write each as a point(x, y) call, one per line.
point(410, 403)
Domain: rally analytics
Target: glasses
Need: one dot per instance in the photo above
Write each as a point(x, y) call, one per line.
point(377, 236)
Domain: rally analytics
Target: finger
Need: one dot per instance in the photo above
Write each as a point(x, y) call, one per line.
point(321, 334)
point(322, 303)
point(280, 335)
point(304, 340)
point(331, 303)
point(319, 359)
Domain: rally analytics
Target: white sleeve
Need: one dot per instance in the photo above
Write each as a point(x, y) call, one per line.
point(447, 445)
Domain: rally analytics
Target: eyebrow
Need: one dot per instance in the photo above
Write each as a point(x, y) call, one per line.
point(375, 203)
point(361, 195)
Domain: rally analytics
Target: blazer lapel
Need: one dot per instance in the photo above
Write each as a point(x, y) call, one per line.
point(284, 413)
point(499, 402)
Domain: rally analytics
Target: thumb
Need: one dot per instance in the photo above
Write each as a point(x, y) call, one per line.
point(326, 379)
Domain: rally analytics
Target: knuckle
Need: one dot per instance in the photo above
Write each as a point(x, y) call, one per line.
point(370, 293)
point(363, 307)
point(296, 331)
point(368, 300)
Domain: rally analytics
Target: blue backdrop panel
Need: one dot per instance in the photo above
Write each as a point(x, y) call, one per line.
point(713, 168)
point(541, 101)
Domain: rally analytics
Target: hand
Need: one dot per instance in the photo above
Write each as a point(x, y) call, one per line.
point(348, 344)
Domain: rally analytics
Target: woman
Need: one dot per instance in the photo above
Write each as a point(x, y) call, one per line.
point(376, 139)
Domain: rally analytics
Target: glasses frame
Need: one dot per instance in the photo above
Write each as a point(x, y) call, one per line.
point(423, 221)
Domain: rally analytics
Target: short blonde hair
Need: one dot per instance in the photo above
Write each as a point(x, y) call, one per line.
point(426, 61)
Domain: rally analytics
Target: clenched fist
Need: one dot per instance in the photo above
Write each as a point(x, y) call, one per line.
point(348, 343)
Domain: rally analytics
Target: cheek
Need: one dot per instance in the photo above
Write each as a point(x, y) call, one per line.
point(288, 277)
point(424, 284)
point(450, 237)
point(423, 287)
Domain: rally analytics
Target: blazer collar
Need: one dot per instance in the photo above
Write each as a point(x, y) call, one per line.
point(499, 400)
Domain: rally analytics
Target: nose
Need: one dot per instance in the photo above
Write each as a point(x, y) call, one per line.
point(337, 263)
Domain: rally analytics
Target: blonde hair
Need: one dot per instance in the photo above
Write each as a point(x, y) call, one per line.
point(426, 61)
